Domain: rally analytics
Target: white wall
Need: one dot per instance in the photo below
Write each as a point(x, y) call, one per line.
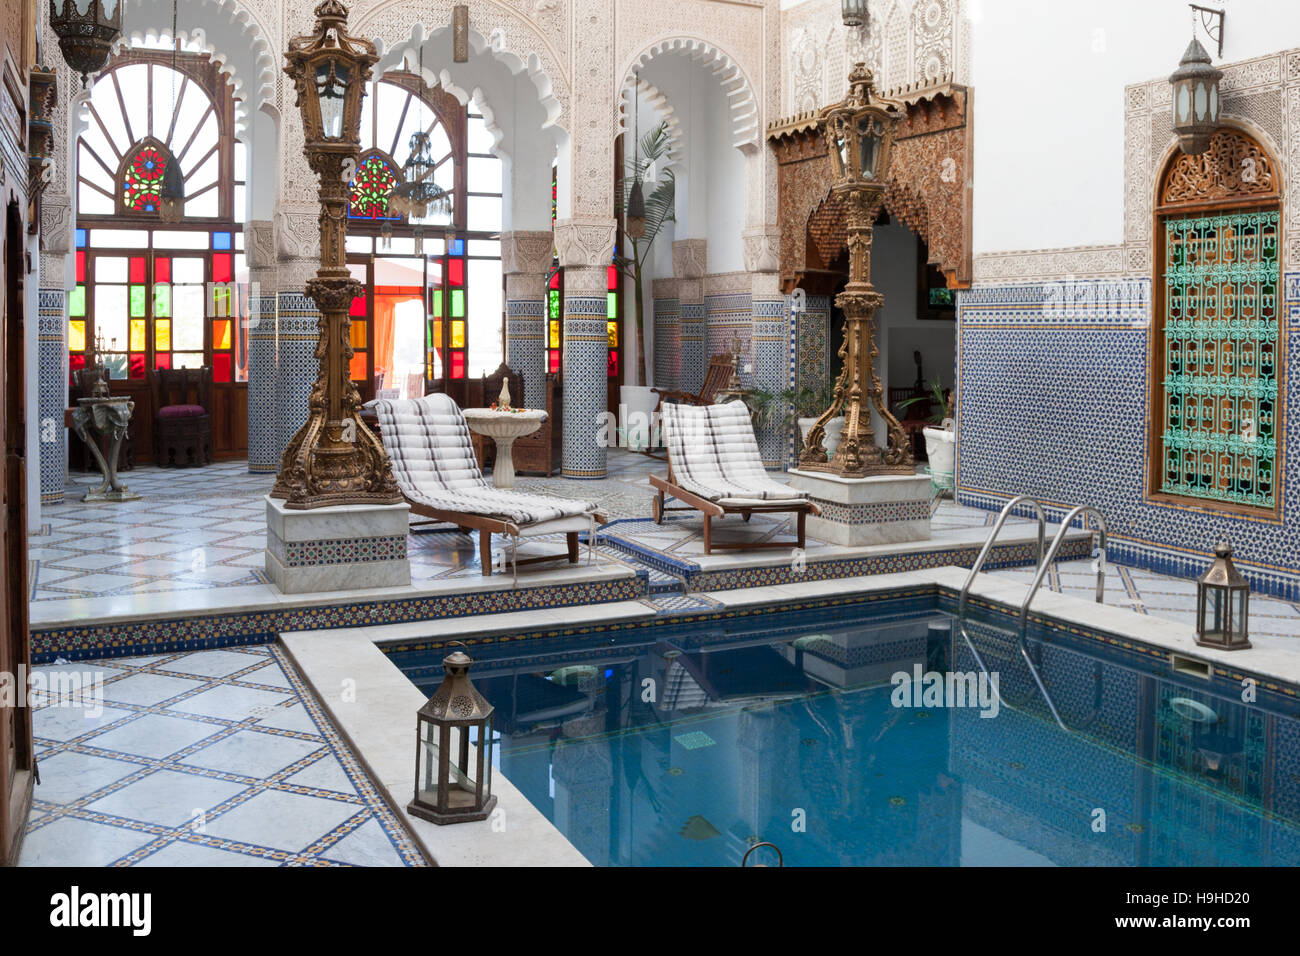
point(1049, 82)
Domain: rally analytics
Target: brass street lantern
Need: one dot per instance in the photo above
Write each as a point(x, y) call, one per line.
point(1222, 604)
point(87, 30)
point(334, 459)
point(448, 789)
point(859, 131)
point(1195, 99)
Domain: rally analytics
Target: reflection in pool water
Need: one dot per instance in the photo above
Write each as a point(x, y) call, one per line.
point(687, 744)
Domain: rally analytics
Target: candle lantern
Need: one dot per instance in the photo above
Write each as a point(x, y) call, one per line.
point(1223, 604)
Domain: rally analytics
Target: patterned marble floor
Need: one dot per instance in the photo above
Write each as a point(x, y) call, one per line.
point(207, 758)
point(1172, 599)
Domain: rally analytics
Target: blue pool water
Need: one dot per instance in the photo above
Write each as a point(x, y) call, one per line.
point(685, 744)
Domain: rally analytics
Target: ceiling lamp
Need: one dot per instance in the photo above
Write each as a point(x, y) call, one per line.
point(87, 30)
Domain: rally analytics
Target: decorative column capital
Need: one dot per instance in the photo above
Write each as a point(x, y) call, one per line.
point(762, 249)
point(260, 243)
point(56, 224)
point(586, 241)
point(526, 253)
point(690, 258)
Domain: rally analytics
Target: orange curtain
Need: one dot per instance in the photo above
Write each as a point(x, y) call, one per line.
point(383, 334)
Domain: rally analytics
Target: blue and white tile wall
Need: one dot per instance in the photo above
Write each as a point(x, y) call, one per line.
point(586, 354)
point(264, 446)
point(771, 373)
point(297, 365)
point(52, 326)
point(668, 342)
point(1053, 402)
point(693, 345)
point(526, 347)
point(728, 315)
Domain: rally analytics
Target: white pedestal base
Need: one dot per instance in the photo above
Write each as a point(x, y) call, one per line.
point(856, 512)
point(337, 549)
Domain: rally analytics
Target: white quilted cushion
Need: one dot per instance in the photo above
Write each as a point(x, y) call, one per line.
point(434, 464)
point(714, 453)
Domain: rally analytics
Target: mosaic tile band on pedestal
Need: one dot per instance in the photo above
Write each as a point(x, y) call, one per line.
point(264, 446)
point(297, 366)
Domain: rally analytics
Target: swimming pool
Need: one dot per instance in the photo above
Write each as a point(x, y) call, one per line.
point(880, 734)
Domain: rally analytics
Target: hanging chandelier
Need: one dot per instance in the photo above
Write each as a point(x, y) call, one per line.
point(171, 206)
point(417, 196)
point(87, 30)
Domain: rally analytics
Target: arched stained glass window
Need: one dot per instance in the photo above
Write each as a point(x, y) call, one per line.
point(142, 179)
point(373, 182)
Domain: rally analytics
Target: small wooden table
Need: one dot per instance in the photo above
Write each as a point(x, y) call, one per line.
point(503, 428)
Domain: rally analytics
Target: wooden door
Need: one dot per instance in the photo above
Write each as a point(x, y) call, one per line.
point(16, 774)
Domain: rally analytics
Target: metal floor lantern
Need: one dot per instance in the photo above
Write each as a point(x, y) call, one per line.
point(447, 788)
point(1223, 604)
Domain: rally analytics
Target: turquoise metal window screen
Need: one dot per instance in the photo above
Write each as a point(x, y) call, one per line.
point(1221, 358)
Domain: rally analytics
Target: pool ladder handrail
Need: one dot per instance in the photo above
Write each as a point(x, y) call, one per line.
point(1044, 562)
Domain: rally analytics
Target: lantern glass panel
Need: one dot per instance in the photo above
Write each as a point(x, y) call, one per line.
point(1239, 603)
point(331, 91)
point(426, 790)
point(1182, 103)
point(1214, 102)
point(1214, 614)
point(1202, 101)
point(869, 134)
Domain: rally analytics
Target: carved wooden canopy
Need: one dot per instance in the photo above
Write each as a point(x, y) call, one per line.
point(929, 189)
point(1233, 169)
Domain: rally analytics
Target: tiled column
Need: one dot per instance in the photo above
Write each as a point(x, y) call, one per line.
point(297, 331)
point(688, 265)
point(728, 316)
point(52, 332)
point(585, 247)
point(770, 341)
point(525, 257)
point(263, 430)
point(668, 333)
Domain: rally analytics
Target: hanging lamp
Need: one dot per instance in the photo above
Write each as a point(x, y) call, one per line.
point(418, 195)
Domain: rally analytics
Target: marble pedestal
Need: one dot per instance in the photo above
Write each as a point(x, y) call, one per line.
point(856, 512)
point(337, 549)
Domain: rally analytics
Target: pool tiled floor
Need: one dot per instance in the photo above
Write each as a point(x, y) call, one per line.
point(205, 758)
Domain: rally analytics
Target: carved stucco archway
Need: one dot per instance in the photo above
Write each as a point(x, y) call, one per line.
point(929, 188)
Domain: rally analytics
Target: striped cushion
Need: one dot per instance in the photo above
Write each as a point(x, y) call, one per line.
point(714, 454)
point(435, 466)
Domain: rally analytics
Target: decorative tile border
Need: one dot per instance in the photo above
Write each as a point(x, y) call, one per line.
point(306, 554)
point(127, 638)
point(876, 512)
point(52, 373)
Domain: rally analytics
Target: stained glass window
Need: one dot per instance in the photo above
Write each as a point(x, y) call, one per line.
point(142, 183)
point(373, 182)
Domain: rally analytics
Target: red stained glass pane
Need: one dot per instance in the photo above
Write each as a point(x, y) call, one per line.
point(555, 280)
point(221, 367)
point(162, 270)
point(456, 271)
point(137, 268)
point(137, 365)
point(611, 278)
point(613, 365)
point(221, 267)
point(457, 364)
point(555, 360)
point(358, 306)
point(75, 362)
point(81, 267)
point(163, 360)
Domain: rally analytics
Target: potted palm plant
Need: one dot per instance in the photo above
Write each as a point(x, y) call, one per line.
point(644, 218)
point(940, 437)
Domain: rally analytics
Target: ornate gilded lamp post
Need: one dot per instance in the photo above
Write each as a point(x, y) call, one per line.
point(859, 132)
point(334, 459)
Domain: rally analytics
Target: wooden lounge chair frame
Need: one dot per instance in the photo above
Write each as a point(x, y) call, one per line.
point(486, 526)
point(712, 509)
point(722, 368)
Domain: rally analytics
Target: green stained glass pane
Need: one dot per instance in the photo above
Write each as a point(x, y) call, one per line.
point(437, 303)
point(1221, 353)
point(162, 300)
point(137, 301)
point(611, 305)
point(457, 304)
point(554, 305)
point(77, 302)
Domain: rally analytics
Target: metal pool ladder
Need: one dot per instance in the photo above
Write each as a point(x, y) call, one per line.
point(1044, 562)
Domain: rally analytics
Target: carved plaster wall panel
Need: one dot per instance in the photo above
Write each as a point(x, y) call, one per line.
point(690, 258)
point(526, 253)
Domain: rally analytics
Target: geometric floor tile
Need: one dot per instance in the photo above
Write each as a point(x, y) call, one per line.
point(203, 758)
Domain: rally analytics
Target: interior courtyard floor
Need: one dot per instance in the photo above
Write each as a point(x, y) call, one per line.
point(225, 757)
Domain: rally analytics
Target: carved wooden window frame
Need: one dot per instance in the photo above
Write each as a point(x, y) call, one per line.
point(1187, 185)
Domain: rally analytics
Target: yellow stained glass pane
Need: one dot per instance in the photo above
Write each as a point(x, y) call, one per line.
point(437, 334)
point(611, 329)
point(555, 334)
point(221, 334)
point(358, 333)
point(162, 335)
point(77, 335)
point(357, 367)
point(137, 335)
point(458, 335)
